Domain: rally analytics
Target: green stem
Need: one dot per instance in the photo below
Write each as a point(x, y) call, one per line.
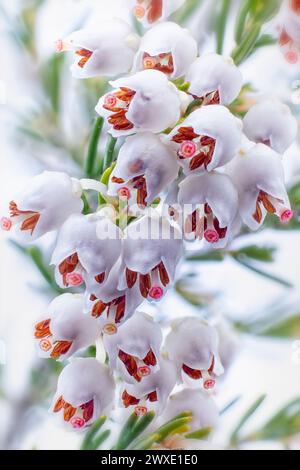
point(90, 435)
point(221, 24)
point(93, 146)
point(247, 45)
point(109, 153)
point(241, 20)
point(256, 270)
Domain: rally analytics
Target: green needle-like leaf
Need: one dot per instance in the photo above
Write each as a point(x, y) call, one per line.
point(235, 435)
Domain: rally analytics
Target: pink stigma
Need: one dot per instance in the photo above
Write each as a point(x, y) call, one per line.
point(124, 193)
point(139, 12)
point(110, 101)
point(110, 329)
point(149, 63)
point(77, 422)
point(188, 149)
point(286, 216)
point(144, 371)
point(59, 46)
point(6, 224)
point(74, 279)
point(156, 292)
point(140, 410)
point(292, 57)
point(211, 236)
point(209, 384)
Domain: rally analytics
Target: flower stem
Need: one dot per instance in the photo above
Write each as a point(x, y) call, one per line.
point(221, 24)
point(93, 146)
point(109, 153)
point(242, 51)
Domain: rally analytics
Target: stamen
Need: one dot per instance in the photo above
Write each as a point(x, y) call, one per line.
point(77, 422)
point(129, 400)
point(192, 373)
point(152, 396)
point(74, 279)
point(42, 329)
point(140, 410)
point(156, 292)
point(60, 348)
point(131, 277)
point(59, 405)
point(110, 329)
point(98, 308)
point(69, 411)
point(88, 410)
point(100, 278)
point(150, 359)
point(145, 284)
point(5, 224)
point(130, 364)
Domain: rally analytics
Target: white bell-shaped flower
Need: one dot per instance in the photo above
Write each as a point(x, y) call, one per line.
point(145, 167)
point(207, 139)
point(259, 178)
point(152, 249)
point(210, 204)
point(110, 305)
point(151, 11)
point(168, 48)
point(43, 205)
point(65, 329)
point(134, 350)
point(146, 101)
point(215, 79)
point(193, 345)
point(86, 246)
point(85, 391)
point(289, 38)
point(152, 392)
point(107, 51)
point(271, 123)
point(205, 413)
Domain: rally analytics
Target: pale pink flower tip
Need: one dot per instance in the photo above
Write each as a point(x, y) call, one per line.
point(74, 279)
point(77, 422)
point(6, 224)
point(286, 216)
point(124, 193)
point(211, 236)
point(144, 371)
point(188, 149)
point(292, 57)
point(156, 293)
point(209, 384)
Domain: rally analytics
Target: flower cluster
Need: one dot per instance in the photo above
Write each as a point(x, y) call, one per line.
point(179, 141)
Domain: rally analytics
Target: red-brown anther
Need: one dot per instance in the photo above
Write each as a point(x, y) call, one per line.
point(163, 274)
point(42, 329)
point(165, 67)
point(69, 411)
point(184, 133)
point(284, 38)
point(130, 364)
point(264, 200)
point(59, 405)
point(114, 179)
point(60, 348)
point(88, 410)
point(152, 396)
point(100, 278)
point(150, 359)
point(155, 10)
point(93, 298)
point(213, 98)
point(131, 278)
point(118, 119)
point(69, 264)
point(193, 373)
point(86, 55)
point(258, 213)
point(98, 309)
point(222, 232)
point(120, 310)
point(129, 400)
point(139, 183)
point(295, 5)
point(145, 284)
point(30, 223)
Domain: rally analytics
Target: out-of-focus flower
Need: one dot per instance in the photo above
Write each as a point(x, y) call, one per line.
point(271, 123)
point(228, 343)
point(207, 139)
point(65, 328)
point(215, 79)
point(46, 202)
point(168, 48)
point(259, 178)
point(86, 246)
point(152, 249)
point(210, 206)
point(145, 167)
point(289, 38)
point(85, 391)
point(110, 305)
point(146, 101)
point(153, 391)
point(151, 11)
point(134, 350)
point(109, 50)
point(193, 346)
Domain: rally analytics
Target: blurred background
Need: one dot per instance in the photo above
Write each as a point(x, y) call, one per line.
point(253, 288)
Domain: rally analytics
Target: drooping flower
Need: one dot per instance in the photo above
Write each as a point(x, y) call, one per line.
point(210, 205)
point(65, 329)
point(289, 38)
point(43, 205)
point(109, 304)
point(152, 392)
point(87, 246)
point(85, 391)
point(215, 79)
point(207, 139)
point(193, 346)
point(134, 350)
point(168, 48)
point(271, 123)
point(152, 248)
point(259, 178)
point(107, 51)
point(146, 101)
point(151, 11)
point(145, 167)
